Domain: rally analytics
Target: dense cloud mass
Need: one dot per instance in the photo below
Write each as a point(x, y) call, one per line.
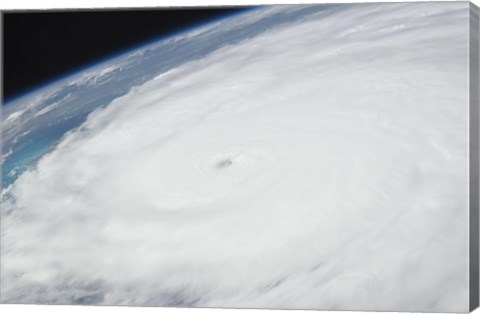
point(322, 164)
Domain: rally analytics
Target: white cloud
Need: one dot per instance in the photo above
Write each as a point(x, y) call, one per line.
point(48, 109)
point(14, 116)
point(318, 165)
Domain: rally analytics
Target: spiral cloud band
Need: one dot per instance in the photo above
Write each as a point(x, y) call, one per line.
point(322, 164)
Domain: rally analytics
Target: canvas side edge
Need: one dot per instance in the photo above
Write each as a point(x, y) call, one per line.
point(474, 157)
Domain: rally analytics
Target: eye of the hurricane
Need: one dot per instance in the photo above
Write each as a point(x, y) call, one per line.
point(196, 178)
point(224, 163)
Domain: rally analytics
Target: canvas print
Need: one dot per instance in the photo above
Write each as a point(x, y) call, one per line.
point(304, 156)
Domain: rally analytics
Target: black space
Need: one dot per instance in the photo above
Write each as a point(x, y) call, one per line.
point(40, 47)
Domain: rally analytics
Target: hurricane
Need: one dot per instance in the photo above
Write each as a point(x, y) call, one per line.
point(309, 164)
